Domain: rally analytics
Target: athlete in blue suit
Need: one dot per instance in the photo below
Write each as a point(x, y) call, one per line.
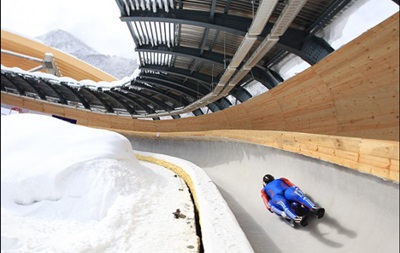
point(282, 197)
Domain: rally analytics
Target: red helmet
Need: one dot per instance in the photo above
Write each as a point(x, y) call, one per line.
point(267, 179)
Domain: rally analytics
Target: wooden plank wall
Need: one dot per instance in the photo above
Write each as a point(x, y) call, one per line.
point(353, 92)
point(68, 65)
point(376, 157)
point(347, 106)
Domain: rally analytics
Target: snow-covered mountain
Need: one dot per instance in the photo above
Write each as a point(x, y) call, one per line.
point(116, 66)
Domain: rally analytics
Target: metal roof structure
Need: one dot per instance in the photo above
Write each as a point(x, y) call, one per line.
point(195, 54)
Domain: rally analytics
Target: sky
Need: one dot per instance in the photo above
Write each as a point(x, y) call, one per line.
point(97, 23)
point(94, 22)
point(71, 188)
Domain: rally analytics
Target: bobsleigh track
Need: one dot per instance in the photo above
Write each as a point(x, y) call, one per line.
point(362, 211)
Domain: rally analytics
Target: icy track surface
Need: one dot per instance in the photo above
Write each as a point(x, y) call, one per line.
point(362, 211)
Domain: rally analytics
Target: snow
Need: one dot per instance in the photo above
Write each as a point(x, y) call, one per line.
point(357, 19)
point(69, 80)
point(71, 188)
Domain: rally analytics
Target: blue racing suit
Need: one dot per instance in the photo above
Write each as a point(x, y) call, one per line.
point(280, 194)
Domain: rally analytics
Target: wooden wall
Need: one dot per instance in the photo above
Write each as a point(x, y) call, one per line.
point(345, 109)
point(352, 92)
point(376, 157)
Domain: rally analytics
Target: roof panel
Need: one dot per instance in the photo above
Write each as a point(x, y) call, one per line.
point(199, 39)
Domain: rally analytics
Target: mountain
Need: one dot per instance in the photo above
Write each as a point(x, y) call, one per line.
point(116, 66)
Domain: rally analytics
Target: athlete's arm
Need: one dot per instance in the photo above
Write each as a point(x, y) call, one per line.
point(265, 198)
point(287, 181)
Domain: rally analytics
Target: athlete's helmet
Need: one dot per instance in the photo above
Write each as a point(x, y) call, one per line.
point(267, 179)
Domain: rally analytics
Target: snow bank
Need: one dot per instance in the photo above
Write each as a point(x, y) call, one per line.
point(220, 230)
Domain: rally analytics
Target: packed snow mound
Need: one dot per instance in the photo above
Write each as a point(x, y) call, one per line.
point(83, 167)
point(70, 188)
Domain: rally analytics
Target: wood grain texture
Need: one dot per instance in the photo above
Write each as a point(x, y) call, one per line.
point(344, 109)
point(376, 157)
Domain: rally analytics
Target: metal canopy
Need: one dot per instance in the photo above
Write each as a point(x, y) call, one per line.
point(188, 46)
point(197, 56)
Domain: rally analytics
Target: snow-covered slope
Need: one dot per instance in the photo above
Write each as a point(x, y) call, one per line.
point(114, 65)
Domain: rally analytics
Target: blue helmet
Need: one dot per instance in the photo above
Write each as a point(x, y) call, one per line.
point(267, 179)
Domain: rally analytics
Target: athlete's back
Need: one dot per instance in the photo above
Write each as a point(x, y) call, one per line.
point(278, 186)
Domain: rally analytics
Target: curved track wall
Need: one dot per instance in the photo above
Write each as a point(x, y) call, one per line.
point(362, 211)
point(352, 92)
